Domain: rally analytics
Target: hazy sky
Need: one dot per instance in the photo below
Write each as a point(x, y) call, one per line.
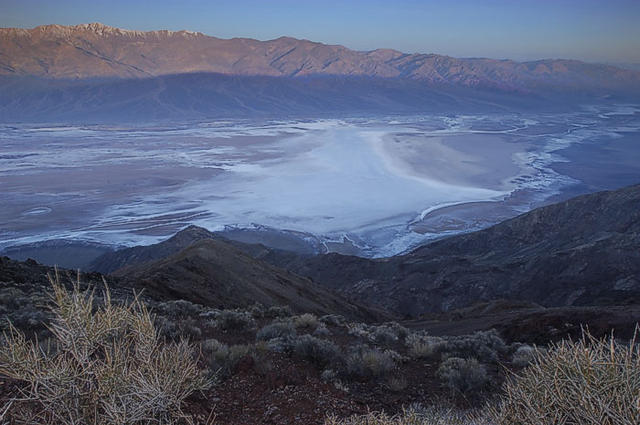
point(592, 30)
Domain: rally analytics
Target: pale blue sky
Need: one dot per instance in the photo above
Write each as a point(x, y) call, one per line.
point(592, 30)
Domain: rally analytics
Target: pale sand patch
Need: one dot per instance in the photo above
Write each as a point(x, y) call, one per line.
point(463, 216)
point(471, 160)
point(467, 216)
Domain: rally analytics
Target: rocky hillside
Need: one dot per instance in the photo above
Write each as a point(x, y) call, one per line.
point(112, 261)
point(115, 261)
point(585, 251)
point(214, 273)
point(194, 267)
point(273, 366)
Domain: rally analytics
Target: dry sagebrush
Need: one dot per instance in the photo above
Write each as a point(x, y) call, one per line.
point(464, 376)
point(107, 365)
point(585, 382)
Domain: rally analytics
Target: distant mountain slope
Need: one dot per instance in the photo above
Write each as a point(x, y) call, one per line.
point(585, 251)
point(96, 73)
point(214, 273)
point(202, 96)
point(112, 261)
point(96, 50)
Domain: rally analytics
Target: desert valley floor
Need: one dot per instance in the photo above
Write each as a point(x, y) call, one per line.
point(372, 186)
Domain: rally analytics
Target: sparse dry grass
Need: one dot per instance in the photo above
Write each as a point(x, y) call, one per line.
point(412, 416)
point(423, 346)
point(585, 382)
point(107, 365)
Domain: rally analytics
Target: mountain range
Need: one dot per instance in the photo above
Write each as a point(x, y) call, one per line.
point(97, 50)
point(96, 72)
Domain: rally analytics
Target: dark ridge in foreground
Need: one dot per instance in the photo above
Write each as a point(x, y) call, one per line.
point(215, 273)
point(210, 273)
point(584, 251)
point(112, 261)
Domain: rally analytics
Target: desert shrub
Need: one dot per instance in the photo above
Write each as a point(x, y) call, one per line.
point(333, 320)
point(279, 337)
point(262, 364)
point(257, 311)
point(167, 328)
point(23, 310)
point(283, 344)
point(397, 383)
point(276, 330)
point(191, 329)
point(524, 355)
point(383, 335)
point(462, 375)
point(27, 319)
point(359, 330)
point(277, 311)
point(484, 345)
point(320, 352)
point(365, 362)
point(329, 375)
point(413, 416)
point(13, 299)
point(586, 382)
point(423, 346)
point(222, 359)
point(209, 314)
point(322, 331)
point(178, 309)
point(397, 329)
point(395, 356)
point(177, 329)
point(108, 366)
point(212, 345)
point(235, 320)
point(306, 321)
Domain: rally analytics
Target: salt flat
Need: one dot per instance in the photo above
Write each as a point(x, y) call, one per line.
point(367, 186)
